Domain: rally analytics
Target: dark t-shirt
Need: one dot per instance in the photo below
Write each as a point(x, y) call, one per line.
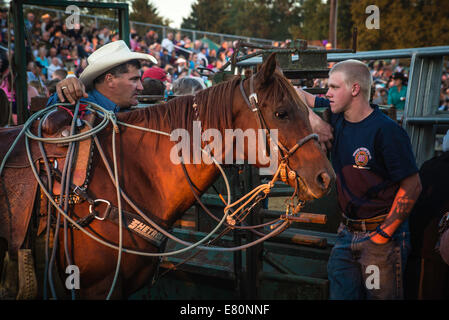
point(370, 159)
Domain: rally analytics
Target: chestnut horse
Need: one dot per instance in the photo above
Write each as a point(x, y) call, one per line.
point(159, 187)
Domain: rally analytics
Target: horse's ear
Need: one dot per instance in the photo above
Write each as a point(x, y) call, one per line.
point(265, 74)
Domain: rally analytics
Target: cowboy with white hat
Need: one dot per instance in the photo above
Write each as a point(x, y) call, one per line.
point(112, 78)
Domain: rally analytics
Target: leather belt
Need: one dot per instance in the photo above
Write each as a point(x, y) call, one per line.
point(363, 224)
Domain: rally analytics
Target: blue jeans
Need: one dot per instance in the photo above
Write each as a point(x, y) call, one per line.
point(361, 269)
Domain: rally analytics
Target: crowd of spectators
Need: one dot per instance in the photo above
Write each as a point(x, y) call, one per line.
point(54, 51)
point(390, 79)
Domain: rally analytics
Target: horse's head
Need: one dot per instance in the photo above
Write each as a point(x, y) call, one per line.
point(269, 101)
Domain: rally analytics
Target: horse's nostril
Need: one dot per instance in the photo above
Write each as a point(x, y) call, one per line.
point(323, 180)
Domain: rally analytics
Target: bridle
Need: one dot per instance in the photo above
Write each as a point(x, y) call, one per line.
point(253, 104)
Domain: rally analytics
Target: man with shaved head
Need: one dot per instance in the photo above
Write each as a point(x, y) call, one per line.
point(377, 186)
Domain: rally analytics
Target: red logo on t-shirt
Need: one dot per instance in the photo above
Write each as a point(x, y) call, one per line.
point(361, 158)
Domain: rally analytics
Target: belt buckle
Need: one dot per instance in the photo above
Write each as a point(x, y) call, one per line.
point(349, 223)
point(354, 225)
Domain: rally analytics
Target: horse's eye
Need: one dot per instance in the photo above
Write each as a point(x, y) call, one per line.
point(281, 114)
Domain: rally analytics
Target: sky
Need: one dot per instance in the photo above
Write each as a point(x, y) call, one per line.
point(174, 10)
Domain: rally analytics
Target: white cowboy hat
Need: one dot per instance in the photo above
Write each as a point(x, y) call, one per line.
point(181, 60)
point(107, 57)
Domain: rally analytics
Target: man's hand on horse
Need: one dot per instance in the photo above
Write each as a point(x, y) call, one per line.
point(71, 89)
point(319, 126)
point(323, 129)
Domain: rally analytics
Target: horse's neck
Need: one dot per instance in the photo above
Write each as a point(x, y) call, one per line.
point(150, 178)
point(148, 169)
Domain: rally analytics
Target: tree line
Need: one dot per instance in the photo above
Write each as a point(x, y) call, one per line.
point(402, 23)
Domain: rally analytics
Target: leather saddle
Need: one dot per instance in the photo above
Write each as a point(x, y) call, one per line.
point(18, 185)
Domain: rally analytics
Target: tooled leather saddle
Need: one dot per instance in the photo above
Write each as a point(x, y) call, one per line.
point(18, 185)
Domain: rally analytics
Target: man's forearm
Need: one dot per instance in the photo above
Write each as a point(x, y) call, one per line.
point(408, 193)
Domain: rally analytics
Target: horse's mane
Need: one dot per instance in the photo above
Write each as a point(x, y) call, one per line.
point(214, 107)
